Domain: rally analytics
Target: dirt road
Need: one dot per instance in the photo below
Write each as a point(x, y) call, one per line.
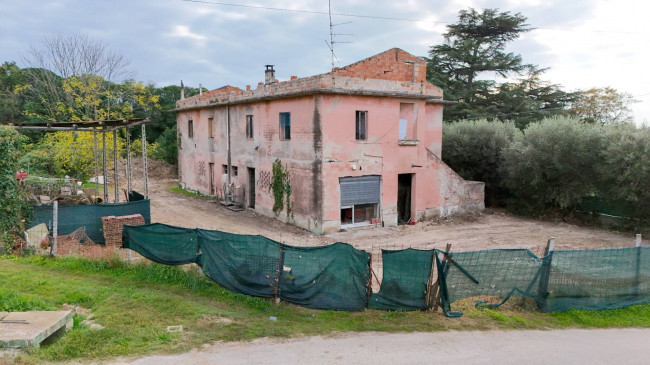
point(574, 346)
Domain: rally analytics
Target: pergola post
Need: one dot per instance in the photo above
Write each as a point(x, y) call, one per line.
point(95, 158)
point(104, 163)
point(144, 162)
point(128, 161)
point(117, 187)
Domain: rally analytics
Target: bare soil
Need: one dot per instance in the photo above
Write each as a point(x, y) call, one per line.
point(477, 231)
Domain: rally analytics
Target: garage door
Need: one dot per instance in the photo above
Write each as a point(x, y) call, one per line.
point(360, 190)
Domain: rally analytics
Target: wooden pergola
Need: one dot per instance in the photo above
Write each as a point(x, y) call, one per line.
point(103, 127)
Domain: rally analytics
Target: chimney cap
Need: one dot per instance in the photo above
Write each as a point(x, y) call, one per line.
point(269, 67)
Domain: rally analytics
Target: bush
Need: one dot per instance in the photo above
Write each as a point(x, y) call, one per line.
point(14, 209)
point(554, 164)
point(625, 170)
point(473, 148)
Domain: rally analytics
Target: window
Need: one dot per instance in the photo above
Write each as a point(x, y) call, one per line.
point(190, 129)
point(285, 125)
point(407, 121)
point(224, 169)
point(211, 127)
point(249, 126)
point(362, 117)
point(234, 171)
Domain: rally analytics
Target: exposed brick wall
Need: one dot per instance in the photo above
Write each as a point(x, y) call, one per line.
point(113, 227)
point(389, 65)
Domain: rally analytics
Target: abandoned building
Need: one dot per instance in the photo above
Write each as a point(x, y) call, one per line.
point(361, 145)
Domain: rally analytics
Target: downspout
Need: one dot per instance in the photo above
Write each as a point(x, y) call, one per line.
point(228, 131)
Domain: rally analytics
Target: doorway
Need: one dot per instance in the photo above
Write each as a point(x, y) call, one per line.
point(211, 171)
point(404, 197)
point(251, 189)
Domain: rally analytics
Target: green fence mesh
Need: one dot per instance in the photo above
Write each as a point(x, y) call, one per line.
point(327, 277)
point(585, 279)
point(73, 217)
point(162, 243)
point(405, 277)
point(242, 263)
point(597, 279)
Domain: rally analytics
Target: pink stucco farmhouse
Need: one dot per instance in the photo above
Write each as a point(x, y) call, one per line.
point(361, 145)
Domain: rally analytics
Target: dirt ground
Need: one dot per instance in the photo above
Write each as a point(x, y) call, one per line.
point(487, 230)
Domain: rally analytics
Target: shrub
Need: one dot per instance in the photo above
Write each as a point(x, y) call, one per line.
point(473, 148)
point(14, 209)
point(166, 146)
point(554, 164)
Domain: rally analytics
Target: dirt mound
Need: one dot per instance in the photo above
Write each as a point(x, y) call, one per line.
point(157, 170)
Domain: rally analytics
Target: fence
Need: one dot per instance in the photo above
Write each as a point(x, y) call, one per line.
point(73, 217)
point(337, 276)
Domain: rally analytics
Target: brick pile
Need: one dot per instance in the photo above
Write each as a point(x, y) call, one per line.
point(113, 227)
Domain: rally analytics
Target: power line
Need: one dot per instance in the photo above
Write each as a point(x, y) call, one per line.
point(390, 18)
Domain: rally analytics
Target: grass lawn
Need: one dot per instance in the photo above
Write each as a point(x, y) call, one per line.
point(136, 303)
point(194, 194)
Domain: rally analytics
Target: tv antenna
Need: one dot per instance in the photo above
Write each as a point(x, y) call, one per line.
point(330, 44)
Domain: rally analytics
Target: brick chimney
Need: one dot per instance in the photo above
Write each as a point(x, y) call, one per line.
point(269, 75)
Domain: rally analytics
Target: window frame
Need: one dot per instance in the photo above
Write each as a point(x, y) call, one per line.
point(211, 128)
point(285, 130)
point(190, 128)
point(358, 135)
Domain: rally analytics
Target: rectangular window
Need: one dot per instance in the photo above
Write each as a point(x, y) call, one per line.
point(224, 169)
point(407, 121)
point(211, 127)
point(285, 125)
point(361, 125)
point(249, 126)
point(234, 171)
point(190, 129)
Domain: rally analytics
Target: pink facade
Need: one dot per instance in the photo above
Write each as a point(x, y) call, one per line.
point(364, 145)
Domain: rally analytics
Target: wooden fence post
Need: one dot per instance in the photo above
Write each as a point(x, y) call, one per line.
point(276, 296)
point(637, 245)
point(542, 290)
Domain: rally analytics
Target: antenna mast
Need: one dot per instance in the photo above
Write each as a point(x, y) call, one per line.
point(331, 45)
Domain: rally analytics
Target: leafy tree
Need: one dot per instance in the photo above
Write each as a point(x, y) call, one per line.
point(166, 146)
point(603, 105)
point(12, 99)
point(473, 148)
point(553, 164)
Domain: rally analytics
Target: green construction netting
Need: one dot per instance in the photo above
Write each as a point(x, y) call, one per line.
point(405, 277)
point(162, 243)
point(327, 277)
point(597, 279)
point(73, 217)
point(242, 263)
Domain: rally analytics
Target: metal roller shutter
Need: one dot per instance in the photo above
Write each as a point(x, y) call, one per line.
point(359, 190)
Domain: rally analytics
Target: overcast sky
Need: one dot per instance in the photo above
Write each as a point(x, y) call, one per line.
point(584, 43)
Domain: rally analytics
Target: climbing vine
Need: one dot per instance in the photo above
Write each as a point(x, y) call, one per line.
point(14, 209)
point(280, 187)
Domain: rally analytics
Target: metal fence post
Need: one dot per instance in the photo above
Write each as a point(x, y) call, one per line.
point(637, 245)
point(55, 226)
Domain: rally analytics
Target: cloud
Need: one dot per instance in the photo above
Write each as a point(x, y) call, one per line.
point(184, 31)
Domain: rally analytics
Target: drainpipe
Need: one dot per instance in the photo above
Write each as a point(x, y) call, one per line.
point(228, 131)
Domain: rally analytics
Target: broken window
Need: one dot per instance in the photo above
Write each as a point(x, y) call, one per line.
point(406, 121)
point(285, 125)
point(211, 127)
point(224, 169)
point(249, 126)
point(190, 129)
point(361, 125)
point(234, 171)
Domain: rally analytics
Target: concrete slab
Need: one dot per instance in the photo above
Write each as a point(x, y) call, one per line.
point(37, 326)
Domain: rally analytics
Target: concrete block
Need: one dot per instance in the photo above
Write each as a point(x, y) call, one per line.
point(38, 326)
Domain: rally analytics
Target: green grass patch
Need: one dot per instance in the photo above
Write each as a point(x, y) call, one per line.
point(136, 302)
point(194, 194)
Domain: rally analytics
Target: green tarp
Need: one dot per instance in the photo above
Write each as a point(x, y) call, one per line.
point(405, 277)
point(327, 277)
point(162, 243)
point(242, 263)
point(73, 217)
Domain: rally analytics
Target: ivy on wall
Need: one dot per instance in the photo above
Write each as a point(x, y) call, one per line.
point(280, 186)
